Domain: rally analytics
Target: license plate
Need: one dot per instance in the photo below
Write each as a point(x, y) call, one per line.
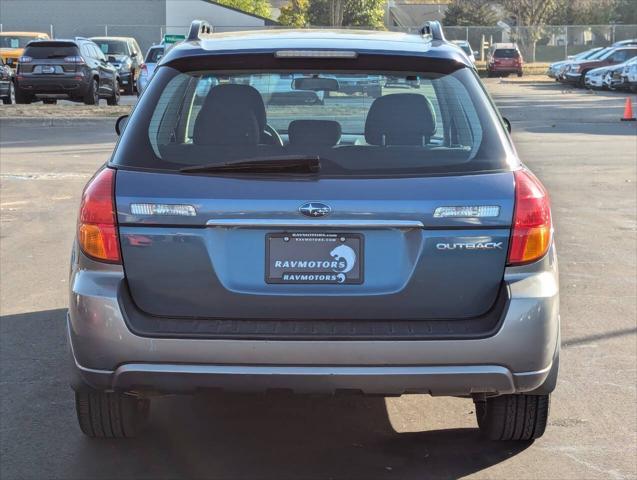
point(314, 258)
point(48, 69)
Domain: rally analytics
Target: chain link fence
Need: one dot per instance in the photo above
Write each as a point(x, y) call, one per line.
point(548, 43)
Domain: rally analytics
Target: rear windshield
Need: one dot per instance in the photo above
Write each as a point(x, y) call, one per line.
point(15, 41)
point(43, 50)
point(112, 47)
point(506, 53)
point(154, 55)
point(372, 123)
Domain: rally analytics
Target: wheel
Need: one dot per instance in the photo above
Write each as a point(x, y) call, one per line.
point(110, 415)
point(92, 97)
point(582, 80)
point(21, 97)
point(114, 99)
point(10, 98)
point(130, 88)
point(513, 417)
point(520, 73)
point(49, 101)
point(489, 73)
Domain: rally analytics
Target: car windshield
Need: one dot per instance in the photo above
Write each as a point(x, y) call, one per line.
point(506, 53)
point(374, 123)
point(154, 55)
point(112, 47)
point(15, 41)
point(44, 50)
point(586, 54)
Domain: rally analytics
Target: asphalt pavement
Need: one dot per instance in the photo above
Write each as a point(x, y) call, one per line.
point(576, 144)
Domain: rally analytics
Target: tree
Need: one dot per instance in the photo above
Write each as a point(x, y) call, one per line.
point(261, 8)
point(295, 13)
point(469, 13)
point(626, 12)
point(346, 13)
point(530, 16)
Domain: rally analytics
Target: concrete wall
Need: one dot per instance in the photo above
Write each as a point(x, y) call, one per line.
point(143, 19)
point(179, 14)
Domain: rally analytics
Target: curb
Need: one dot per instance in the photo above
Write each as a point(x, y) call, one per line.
point(56, 121)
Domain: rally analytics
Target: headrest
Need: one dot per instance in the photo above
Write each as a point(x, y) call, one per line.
point(400, 119)
point(230, 115)
point(325, 133)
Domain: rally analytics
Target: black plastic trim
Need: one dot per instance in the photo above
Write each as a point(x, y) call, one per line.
point(145, 325)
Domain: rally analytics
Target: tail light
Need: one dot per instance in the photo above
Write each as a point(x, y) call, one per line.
point(75, 59)
point(97, 224)
point(532, 230)
point(25, 59)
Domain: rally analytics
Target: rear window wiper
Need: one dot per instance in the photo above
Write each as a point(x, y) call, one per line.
point(281, 163)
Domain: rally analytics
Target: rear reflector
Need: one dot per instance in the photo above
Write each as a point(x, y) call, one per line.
point(97, 224)
point(468, 211)
point(532, 228)
point(162, 209)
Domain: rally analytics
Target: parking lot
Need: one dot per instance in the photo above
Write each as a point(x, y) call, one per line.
point(574, 142)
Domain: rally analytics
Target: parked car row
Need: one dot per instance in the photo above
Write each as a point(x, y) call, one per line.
point(611, 67)
point(36, 67)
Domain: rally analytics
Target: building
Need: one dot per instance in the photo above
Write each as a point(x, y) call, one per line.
point(146, 20)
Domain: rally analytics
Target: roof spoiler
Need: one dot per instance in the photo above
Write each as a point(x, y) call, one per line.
point(197, 29)
point(433, 30)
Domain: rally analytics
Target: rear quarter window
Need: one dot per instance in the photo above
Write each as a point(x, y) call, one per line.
point(44, 50)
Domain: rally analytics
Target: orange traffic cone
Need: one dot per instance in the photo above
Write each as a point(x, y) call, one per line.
point(628, 112)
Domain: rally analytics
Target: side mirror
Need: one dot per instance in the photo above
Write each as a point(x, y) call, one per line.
point(507, 123)
point(120, 124)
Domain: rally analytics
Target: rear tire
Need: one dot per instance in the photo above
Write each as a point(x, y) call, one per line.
point(114, 99)
point(10, 98)
point(520, 73)
point(22, 98)
point(130, 88)
point(110, 415)
point(513, 417)
point(92, 97)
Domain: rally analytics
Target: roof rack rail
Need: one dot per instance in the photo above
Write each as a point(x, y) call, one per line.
point(433, 29)
point(198, 28)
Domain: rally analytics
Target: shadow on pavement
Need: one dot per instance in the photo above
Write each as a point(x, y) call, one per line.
point(211, 435)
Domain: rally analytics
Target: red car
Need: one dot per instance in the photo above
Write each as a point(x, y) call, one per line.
point(504, 58)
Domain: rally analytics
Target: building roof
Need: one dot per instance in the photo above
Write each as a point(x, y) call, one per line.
point(268, 21)
point(406, 14)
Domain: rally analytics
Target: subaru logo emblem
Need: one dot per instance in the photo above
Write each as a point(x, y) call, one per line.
point(314, 209)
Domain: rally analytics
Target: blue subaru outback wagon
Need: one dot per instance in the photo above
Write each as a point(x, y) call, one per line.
point(259, 227)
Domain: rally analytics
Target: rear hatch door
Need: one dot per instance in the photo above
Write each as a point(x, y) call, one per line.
point(381, 252)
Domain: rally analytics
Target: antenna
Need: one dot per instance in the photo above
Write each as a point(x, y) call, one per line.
point(197, 29)
point(433, 29)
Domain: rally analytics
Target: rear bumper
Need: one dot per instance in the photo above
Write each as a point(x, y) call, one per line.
point(516, 358)
point(53, 85)
point(504, 68)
